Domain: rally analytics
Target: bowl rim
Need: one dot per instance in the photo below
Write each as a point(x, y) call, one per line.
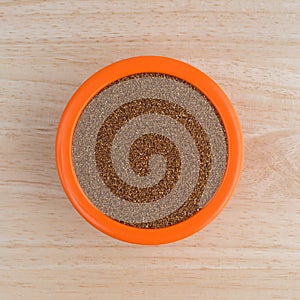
point(116, 71)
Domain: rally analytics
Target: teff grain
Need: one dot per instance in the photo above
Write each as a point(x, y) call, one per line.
point(152, 101)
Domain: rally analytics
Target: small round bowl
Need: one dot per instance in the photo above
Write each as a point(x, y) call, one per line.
point(103, 78)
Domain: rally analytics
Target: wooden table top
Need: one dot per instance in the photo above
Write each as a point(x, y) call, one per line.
point(251, 49)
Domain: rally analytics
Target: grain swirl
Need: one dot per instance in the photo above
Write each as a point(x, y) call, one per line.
point(149, 150)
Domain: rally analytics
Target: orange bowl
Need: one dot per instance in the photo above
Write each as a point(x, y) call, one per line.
point(101, 79)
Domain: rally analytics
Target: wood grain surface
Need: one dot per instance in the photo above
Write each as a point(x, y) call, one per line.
point(251, 49)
